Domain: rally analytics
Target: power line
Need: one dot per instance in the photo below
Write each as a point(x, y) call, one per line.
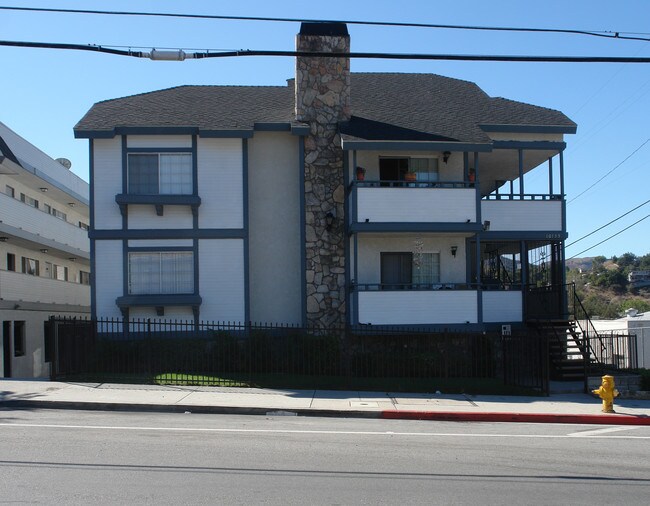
point(610, 237)
point(608, 224)
point(594, 33)
point(180, 54)
point(608, 173)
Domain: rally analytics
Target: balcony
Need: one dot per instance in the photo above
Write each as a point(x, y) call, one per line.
point(420, 203)
point(21, 216)
point(532, 213)
point(438, 304)
point(15, 286)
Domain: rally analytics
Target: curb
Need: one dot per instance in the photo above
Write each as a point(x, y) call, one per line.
point(451, 416)
point(442, 416)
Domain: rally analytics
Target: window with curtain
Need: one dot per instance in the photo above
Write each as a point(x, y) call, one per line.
point(160, 173)
point(400, 270)
point(426, 268)
point(426, 169)
point(161, 272)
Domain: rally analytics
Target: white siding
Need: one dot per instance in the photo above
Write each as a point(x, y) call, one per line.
point(418, 307)
point(180, 313)
point(145, 217)
point(220, 183)
point(108, 278)
point(159, 141)
point(275, 274)
point(501, 306)
point(107, 182)
point(221, 279)
point(522, 215)
point(416, 205)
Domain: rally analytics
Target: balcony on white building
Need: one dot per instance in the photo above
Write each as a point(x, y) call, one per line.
point(15, 286)
point(36, 223)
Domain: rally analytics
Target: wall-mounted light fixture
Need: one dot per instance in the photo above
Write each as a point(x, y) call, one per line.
point(454, 249)
point(486, 225)
point(44, 250)
point(71, 204)
point(72, 259)
point(4, 238)
point(445, 156)
point(329, 219)
point(160, 311)
point(43, 189)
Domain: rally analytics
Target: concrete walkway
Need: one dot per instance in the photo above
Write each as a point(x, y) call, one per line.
point(558, 408)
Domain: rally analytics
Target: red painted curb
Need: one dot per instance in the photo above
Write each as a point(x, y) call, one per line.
point(452, 416)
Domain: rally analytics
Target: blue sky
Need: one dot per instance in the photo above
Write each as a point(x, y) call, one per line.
point(45, 92)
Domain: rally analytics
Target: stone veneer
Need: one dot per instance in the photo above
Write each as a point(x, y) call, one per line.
point(322, 100)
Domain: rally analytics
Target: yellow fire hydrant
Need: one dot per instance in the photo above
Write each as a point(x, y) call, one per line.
point(607, 392)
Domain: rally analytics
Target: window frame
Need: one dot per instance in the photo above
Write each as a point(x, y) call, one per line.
point(19, 338)
point(24, 262)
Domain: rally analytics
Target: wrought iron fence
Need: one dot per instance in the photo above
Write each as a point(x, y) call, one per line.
point(234, 354)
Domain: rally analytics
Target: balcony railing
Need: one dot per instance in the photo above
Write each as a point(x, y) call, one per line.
point(22, 216)
point(413, 202)
point(15, 286)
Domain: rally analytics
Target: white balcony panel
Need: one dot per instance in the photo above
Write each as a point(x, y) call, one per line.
point(418, 307)
point(22, 216)
point(15, 286)
point(522, 215)
point(500, 306)
point(416, 205)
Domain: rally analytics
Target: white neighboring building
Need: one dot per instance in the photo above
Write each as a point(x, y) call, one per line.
point(632, 323)
point(44, 252)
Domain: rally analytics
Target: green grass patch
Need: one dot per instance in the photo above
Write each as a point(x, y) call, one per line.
point(198, 380)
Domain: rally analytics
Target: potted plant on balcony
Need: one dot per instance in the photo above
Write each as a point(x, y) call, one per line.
point(410, 177)
point(361, 173)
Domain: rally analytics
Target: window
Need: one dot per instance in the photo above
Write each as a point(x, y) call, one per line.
point(396, 169)
point(54, 212)
point(426, 268)
point(426, 169)
point(11, 262)
point(10, 191)
point(59, 272)
point(19, 338)
point(30, 266)
point(83, 225)
point(161, 272)
point(403, 270)
point(29, 200)
point(84, 277)
point(160, 174)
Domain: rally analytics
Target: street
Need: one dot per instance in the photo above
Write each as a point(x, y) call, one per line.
point(76, 457)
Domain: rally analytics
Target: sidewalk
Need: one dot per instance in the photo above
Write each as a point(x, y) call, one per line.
point(558, 408)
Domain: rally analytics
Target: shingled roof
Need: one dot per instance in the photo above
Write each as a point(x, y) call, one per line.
point(384, 106)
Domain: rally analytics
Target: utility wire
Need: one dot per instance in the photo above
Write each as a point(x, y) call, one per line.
point(594, 33)
point(179, 55)
point(610, 237)
point(608, 224)
point(608, 173)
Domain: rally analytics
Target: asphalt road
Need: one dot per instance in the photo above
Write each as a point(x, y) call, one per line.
point(74, 457)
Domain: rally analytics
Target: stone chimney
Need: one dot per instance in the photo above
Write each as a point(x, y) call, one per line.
point(322, 101)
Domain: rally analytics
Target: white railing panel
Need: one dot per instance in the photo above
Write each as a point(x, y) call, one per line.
point(15, 286)
point(416, 205)
point(523, 215)
point(502, 306)
point(418, 307)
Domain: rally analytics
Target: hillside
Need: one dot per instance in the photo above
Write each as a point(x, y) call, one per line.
point(602, 284)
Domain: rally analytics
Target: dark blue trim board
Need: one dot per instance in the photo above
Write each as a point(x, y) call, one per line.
point(176, 130)
point(532, 129)
point(159, 150)
point(413, 146)
point(531, 145)
point(169, 233)
point(247, 298)
point(415, 227)
point(91, 198)
point(158, 249)
point(159, 300)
